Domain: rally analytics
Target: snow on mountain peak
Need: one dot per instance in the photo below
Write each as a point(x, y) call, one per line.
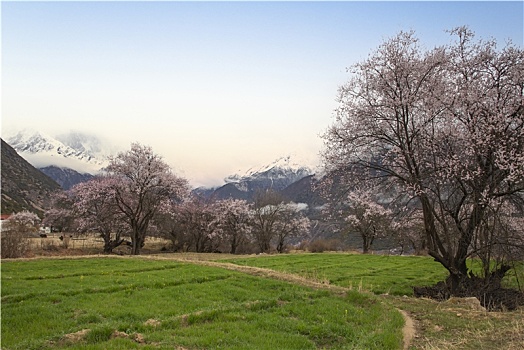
point(31, 141)
point(283, 170)
point(80, 152)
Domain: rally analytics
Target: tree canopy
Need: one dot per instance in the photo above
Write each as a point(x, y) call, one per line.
point(444, 128)
point(146, 186)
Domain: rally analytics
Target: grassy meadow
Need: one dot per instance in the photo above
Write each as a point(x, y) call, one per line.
point(216, 301)
point(379, 274)
point(128, 303)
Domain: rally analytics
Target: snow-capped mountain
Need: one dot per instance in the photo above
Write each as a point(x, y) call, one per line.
point(277, 175)
point(76, 151)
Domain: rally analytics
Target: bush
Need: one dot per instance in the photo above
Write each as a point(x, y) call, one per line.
point(14, 244)
point(15, 231)
point(322, 245)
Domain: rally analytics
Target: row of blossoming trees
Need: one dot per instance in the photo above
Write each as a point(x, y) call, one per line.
point(437, 137)
point(139, 195)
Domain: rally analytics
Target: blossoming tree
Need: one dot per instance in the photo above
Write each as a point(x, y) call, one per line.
point(234, 220)
point(15, 233)
point(146, 185)
point(274, 219)
point(367, 217)
point(196, 222)
point(292, 223)
point(96, 210)
point(446, 126)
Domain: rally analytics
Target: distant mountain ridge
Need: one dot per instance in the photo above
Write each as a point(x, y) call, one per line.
point(303, 191)
point(283, 167)
point(65, 177)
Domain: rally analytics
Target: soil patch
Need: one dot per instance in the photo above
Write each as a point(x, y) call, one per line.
point(492, 297)
point(152, 322)
point(76, 336)
point(408, 331)
point(137, 337)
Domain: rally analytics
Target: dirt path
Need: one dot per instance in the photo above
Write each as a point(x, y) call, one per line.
point(408, 331)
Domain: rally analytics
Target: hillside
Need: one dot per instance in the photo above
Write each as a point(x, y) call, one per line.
point(302, 191)
point(65, 177)
point(23, 186)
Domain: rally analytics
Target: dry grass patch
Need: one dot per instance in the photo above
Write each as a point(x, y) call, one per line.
point(76, 336)
point(152, 322)
point(461, 325)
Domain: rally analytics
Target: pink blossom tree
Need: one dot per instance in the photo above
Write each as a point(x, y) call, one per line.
point(23, 222)
point(146, 186)
point(172, 228)
point(60, 216)
point(291, 224)
point(266, 214)
point(407, 228)
point(500, 237)
point(366, 217)
point(96, 210)
point(197, 224)
point(234, 220)
point(446, 126)
point(273, 219)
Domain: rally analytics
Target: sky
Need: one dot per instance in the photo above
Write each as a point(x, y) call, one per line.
point(215, 88)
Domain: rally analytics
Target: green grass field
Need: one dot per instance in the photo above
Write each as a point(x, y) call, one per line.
point(111, 303)
point(205, 301)
point(379, 274)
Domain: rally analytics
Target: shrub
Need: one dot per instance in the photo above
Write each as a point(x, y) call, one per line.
point(322, 245)
point(14, 244)
point(15, 231)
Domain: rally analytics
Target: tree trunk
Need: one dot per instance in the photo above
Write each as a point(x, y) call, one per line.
point(110, 244)
point(234, 245)
point(465, 285)
point(365, 244)
point(135, 248)
point(280, 245)
point(137, 243)
point(264, 245)
point(367, 241)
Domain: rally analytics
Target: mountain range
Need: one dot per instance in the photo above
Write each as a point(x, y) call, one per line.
point(66, 158)
point(75, 157)
point(26, 188)
point(277, 176)
point(66, 177)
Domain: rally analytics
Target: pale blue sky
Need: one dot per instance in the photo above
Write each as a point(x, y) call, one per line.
point(214, 87)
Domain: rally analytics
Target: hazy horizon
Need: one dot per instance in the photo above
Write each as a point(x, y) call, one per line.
point(213, 87)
